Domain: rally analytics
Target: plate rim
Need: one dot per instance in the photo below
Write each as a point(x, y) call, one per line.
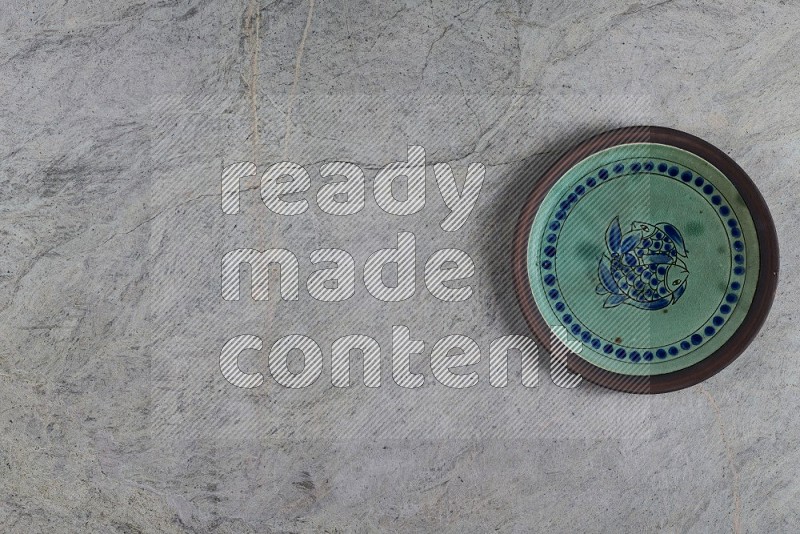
point(766, 285)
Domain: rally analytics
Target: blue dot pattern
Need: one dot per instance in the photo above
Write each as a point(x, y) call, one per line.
point(689, 178)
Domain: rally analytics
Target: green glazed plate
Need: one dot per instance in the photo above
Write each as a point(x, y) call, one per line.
point(651, 255)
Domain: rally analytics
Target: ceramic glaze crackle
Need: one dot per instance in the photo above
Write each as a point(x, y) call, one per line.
point(646, 246)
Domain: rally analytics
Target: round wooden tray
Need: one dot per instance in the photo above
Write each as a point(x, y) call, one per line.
point(651, 254)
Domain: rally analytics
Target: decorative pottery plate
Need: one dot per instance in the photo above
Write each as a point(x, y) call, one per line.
point(648, 257)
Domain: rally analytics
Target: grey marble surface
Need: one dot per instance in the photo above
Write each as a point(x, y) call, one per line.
point(117, 119)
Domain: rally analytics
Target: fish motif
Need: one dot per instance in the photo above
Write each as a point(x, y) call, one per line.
point(644, 267)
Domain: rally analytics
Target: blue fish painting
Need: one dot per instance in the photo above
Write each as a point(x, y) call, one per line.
point(644, 267)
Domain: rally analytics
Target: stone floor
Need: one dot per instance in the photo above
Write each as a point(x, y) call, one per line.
point(118, 120)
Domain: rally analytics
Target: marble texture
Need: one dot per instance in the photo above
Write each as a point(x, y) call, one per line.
point(116, 121)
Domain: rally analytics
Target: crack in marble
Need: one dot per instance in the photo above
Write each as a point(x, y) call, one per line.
point(737, 500)
point(251, 27)
point(296, 81)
